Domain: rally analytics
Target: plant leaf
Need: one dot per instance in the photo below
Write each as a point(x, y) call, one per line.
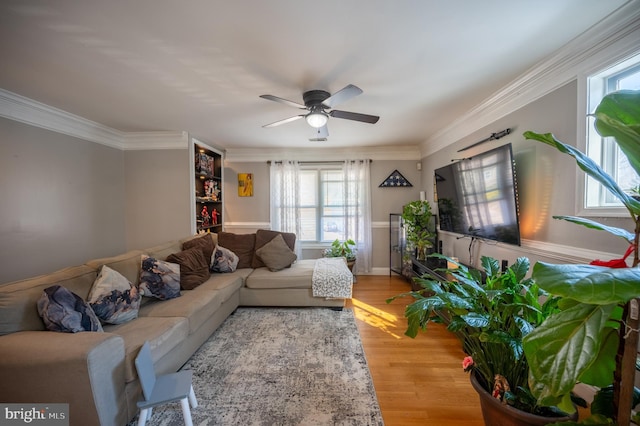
point(565, 345)
point(490, 266)
point(520, 268)
point(619, 232)
point(474, 319)
point(429, 284)
point(600, 373)
point(618, 115)
point(588, 283)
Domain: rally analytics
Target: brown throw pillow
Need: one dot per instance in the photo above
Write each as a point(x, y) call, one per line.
point(204, 243)
point(276, 254)
point(263, 236)
point(241, 244)
point(194, 268)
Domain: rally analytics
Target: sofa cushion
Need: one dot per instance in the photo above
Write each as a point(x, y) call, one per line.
point(263, 236)
point(276, 254)
point(66, 312)
point(298, 276)
point(213, 235)
point(128, 264)
point(113, 298)
point(161, 251)
point(159, 279)
point(194, 268)
point(163, 334)
point(225, 284)
point(18, 299)
point(197, 306)
point(241, 244)
point(224, 260)
point(204, 243)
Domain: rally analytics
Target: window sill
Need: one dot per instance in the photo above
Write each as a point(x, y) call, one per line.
point(620, 212)
point(314, 245)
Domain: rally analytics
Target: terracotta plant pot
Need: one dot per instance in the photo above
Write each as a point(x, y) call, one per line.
point(495, 413)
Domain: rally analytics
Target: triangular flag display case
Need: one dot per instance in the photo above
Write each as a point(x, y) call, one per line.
point(395, 180)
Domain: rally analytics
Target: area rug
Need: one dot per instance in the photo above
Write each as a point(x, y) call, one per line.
point(280, 366)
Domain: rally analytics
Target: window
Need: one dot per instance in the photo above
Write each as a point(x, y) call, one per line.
point(322, 204)
point(624, 76)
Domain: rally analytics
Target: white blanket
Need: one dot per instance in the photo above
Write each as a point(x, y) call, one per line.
point(332, 278)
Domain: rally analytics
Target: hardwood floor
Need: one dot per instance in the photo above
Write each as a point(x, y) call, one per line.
point(418, 381)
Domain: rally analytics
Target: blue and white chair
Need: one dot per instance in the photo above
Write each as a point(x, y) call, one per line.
point(157, 390)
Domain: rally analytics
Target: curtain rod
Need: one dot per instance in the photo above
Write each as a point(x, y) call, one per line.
point(318, 162)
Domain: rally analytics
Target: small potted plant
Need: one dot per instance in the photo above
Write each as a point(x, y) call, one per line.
point(346, 249)
point(490, 312)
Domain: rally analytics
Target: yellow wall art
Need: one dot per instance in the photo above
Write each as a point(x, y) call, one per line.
point(245, 184)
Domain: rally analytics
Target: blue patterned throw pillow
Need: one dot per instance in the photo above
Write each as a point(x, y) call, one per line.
point(224, 260)
point(159, 279)
point(113, 298)
point(64, 311)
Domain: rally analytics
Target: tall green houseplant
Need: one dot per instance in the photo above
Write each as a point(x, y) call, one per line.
point(593, 338)
point(418, 221)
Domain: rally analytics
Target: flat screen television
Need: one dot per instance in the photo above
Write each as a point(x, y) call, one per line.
point(477, 196)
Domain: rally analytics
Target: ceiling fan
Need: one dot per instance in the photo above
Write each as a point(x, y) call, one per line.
point(319, 104)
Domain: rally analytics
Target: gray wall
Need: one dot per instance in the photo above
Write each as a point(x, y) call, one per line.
point(157, 190)
point(246, 210)
point(66, 200)
point(61, 201)
point(546, 182)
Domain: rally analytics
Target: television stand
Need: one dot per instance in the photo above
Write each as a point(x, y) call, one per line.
point(429, 266)
point(426, 266)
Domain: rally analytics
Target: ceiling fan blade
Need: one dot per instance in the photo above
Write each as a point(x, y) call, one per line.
point(283, 101)
point(286, 120)
point(342, 95)
point(365, 118)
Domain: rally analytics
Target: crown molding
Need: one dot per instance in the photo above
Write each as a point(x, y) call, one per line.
point(24, 110)
point(34, 113)
point(612, 39)
point(155, 140)
point(405, 152)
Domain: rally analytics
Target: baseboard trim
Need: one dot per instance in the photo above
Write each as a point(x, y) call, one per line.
point(376, 271)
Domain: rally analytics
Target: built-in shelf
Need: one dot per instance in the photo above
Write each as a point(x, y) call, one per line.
point(208, 199)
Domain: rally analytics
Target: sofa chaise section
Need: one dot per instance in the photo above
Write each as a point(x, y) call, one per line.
point(287, 287)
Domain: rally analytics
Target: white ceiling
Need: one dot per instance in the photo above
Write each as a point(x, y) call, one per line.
point(199, 66)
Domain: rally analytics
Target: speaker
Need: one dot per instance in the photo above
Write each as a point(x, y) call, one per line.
point(505, 265)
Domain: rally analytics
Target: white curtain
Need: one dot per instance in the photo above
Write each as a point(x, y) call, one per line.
point(357, 194)
point(285, 215)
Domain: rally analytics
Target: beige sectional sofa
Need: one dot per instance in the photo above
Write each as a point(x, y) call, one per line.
point(94, 372)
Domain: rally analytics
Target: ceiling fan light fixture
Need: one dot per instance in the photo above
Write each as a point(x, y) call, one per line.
point(317, 119)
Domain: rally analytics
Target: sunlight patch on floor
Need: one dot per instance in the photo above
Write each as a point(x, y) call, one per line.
point(375, 317)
